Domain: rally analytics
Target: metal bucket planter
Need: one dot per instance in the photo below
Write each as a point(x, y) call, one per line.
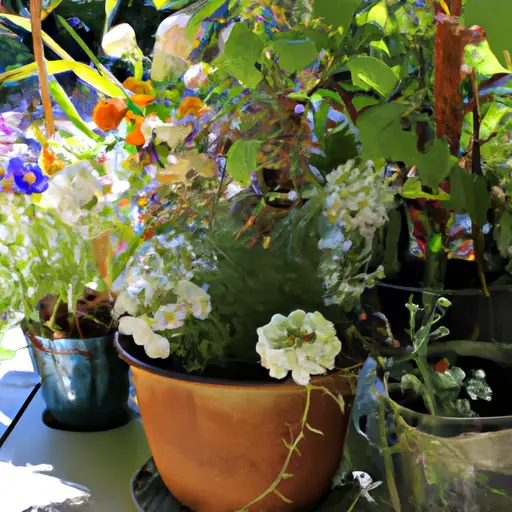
point(84, 382)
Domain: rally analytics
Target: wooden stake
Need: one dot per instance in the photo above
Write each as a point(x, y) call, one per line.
point(37, 39)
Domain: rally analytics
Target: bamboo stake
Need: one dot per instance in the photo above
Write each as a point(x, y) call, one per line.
point(37, 39)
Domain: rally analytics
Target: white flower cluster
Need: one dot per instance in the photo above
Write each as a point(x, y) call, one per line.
point(356, 206)
point(357, 200)
point(303, 343)
point(191, 301)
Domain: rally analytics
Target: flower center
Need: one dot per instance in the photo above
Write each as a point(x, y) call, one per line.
point(29, 178)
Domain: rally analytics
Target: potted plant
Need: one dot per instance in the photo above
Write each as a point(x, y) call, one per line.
point(254, 255)
point(67, 232)
point(444, 132)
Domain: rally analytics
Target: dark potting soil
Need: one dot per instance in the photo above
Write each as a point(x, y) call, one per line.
point(93, 316)
point(230, 370)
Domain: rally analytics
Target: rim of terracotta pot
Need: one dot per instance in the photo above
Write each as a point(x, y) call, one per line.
point(286, 385)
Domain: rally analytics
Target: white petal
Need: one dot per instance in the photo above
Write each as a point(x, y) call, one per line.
point(158, 347)
point(300, 377)
point(129, 324)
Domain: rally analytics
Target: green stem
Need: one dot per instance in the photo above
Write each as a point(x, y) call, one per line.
point(428, 395)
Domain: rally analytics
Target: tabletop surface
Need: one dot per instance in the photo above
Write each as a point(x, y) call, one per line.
point(68, 465)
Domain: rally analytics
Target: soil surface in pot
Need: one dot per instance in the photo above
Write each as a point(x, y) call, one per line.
point(93, 316)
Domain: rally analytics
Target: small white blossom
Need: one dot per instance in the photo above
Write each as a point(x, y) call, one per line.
point(303, 343)
point(140, 329)
point(195, 298)
point(125, 303)
point(196, 76)
point(366, 484)
point(171, 316)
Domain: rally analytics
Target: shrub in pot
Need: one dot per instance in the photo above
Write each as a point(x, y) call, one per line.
point(253, 256)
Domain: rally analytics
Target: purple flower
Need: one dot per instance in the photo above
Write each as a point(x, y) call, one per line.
point(28, 178)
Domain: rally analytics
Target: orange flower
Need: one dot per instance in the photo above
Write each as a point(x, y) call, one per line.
point(50, 163)
point(124, 202)
point(136, 137)
point(142, 100)
point(109, 113)
point(191, 105)
point(137, 86)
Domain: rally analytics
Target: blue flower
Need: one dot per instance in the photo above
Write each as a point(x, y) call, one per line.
point(28, 178)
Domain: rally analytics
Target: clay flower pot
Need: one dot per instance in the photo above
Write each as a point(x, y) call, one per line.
point(218, 444)
point(84, 382)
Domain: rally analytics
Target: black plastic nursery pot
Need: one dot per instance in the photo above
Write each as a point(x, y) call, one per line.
point(84, 382)
point(472, 316)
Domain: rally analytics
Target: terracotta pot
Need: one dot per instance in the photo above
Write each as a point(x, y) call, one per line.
point(218, 444)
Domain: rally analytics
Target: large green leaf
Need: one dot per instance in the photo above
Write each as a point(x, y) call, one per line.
point(62, 99)
point(336, 13)
point(24, 23)
point(242, 160)
point(494, 17)
point(469, 195)
point(295, 55)
point(481, 57)
point(241, 52)
point(371, 73)
point(412, 189)
point(87, 74)
point(382, 136)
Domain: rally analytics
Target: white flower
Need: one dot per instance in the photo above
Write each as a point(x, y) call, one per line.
point(173, 135)
point(193, 296)
point(196, 76)
point(303, 343)
point(125, 303)
point(71, 189)
point(171, 316)
point(172, 48)
point(366, 484)
point(119, 41)
point(140, 329)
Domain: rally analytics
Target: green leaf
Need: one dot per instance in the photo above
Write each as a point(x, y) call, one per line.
point(468, 194)
point(492, 119)
point(412, 190)
point(242, 160)
point(62, 99)
point(381, 45)
point(87, 74)
point(494, 17)
point(314, 430)
point(326, 93)
point(295, 55)
point(378, 14)
point(504, 234)
point(25, 24)
point(371, 73)
point(6, 354)
point(243, 49)
point(205, 10)
point(337, 13)
point(366, 34)
point(480, 57)
point(381, 135)
point(320, 122)
point(286, 476)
